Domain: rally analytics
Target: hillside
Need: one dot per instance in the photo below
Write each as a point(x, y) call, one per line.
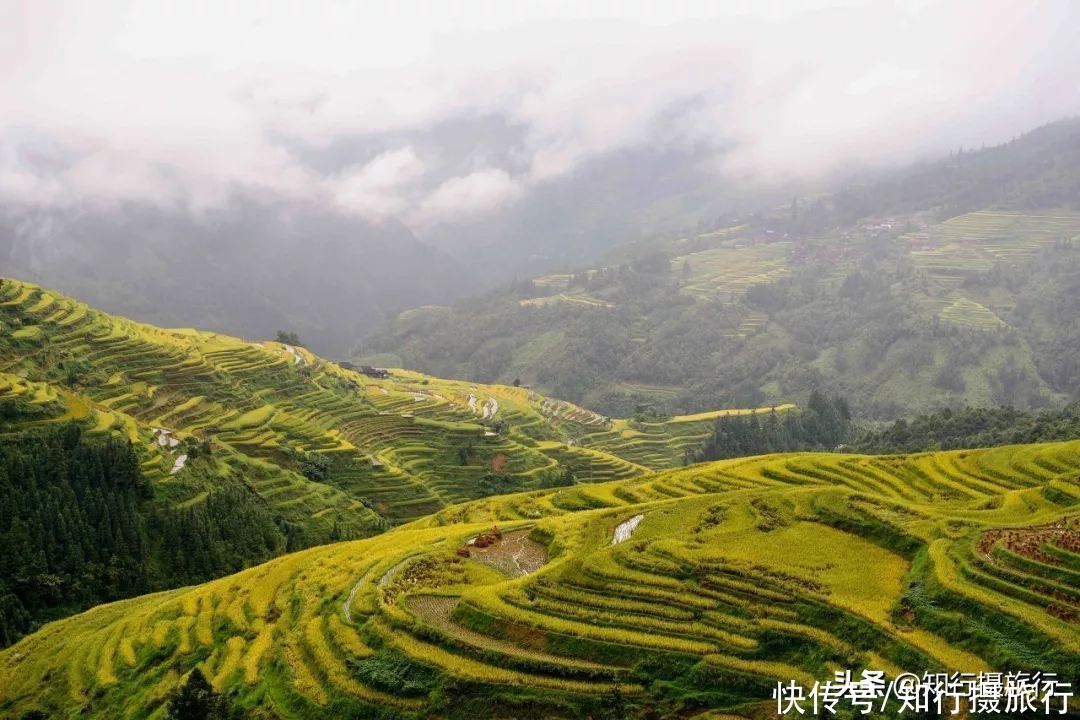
point(943, 284)
point(298, 450)
point(693, 589)
point(903, 315)
point(1039, 169)
point(408, 443)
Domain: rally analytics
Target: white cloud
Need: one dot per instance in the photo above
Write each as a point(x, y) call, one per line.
point(466, 195)
point(192, 103)
point(377, 191)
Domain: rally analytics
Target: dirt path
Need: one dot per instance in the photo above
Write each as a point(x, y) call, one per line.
point(392, 572)
point(298, 359)
point(346, 608)
point(387, 576)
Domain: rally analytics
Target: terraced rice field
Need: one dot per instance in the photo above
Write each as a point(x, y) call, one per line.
point(662, 443)
point(737, 574)
point(557, 287)
point(978, 240)
point(724, 271)
point(398, 448)
point(968, 313)
point(578, 298)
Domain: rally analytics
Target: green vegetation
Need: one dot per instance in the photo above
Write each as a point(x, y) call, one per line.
point(196, 700)
point(506, 554)
point(972, 427)
point(948, 285)
point(736, 573)
point(78, 528)
point(858, 312)
point(825, 424)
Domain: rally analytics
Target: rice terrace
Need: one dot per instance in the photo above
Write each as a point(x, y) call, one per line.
point(539, 360)
point(958, 561)
point(671, 587)
point(519, 555)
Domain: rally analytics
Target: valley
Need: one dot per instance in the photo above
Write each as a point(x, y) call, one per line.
point(240, 450)
point(942, 284)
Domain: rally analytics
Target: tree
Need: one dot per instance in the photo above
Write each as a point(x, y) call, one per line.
point(287, 337)
point(565, 478)
point(196, 700)
point(314, 466)
point(950, 377)
point(617, 706)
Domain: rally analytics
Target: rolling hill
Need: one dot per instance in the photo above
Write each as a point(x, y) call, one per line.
point(237, 451)
point(691, 592)
point(407, 444)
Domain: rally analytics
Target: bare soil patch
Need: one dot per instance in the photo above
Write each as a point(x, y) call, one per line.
point(514, 554)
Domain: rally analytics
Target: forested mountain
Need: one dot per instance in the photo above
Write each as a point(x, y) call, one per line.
point(539, 360)
point(885, 294)
point(1040, 169)
point(248, 268)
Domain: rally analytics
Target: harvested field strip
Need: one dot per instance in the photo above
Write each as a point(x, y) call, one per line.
point(437, 611)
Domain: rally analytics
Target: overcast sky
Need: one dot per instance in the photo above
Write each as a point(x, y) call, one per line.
point(383, 109)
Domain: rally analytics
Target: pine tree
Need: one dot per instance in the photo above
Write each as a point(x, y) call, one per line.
point(196, 700)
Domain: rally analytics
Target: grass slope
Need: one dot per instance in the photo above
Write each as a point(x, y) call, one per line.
point(737, 573)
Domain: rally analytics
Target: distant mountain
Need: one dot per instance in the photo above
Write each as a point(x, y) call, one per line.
point(611, 199)
point(249, 270)
point(1039, 169)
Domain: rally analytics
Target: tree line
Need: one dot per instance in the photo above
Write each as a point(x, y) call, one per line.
point(972, 427)
point(824, 424)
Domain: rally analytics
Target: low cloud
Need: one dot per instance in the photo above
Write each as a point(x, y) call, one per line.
point(467, 195)
point(378, 190)
point(192, 104)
